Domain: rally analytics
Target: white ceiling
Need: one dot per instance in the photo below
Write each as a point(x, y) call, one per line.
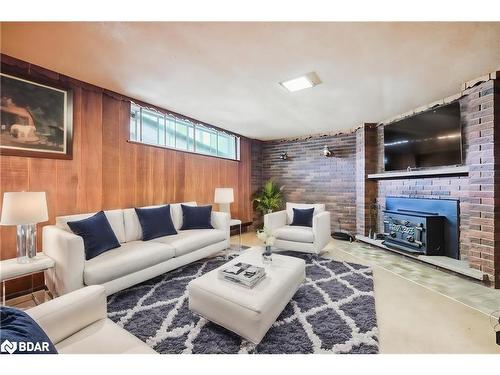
point(227, 74)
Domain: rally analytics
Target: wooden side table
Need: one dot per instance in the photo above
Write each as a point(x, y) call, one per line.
point(10, 269)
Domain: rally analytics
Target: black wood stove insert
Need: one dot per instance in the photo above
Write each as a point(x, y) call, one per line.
point(414, 231)
point(422, 225)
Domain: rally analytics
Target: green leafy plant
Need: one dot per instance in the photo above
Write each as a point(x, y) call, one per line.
point(269, 198)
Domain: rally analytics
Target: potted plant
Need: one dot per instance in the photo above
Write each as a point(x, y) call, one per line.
point(269, 198)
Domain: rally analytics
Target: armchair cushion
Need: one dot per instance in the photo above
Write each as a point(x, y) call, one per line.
point(318, 208)
point(17, 326)
point(98, 236)
point(155, 222)
point(303, 217)
point(294, 233)
point(196, 217)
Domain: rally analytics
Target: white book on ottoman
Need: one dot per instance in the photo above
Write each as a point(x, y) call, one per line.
point(248, 312)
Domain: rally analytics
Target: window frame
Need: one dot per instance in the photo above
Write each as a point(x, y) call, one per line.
point(137, 109)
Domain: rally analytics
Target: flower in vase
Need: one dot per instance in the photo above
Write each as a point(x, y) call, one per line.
point(266, 236)
point(270, 241)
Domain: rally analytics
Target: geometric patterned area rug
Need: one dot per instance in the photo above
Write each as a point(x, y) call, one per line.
point(333, 311)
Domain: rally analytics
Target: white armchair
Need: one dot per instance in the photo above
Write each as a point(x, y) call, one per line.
point(297, 238)
point(77, 323)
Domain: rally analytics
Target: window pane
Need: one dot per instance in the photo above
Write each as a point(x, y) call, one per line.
point(170, 132)
point(134, 118)
point(161, 130)
point(226, 146)
point(150, 130)
point(190, 137)
point(206, 141)
point(180, 135)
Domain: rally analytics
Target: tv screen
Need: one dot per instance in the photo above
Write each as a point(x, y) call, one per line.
point(429, 139)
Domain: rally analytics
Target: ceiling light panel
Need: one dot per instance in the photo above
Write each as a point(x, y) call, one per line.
point(303, 82)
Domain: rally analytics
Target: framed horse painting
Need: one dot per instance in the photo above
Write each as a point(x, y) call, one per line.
point(36, 119)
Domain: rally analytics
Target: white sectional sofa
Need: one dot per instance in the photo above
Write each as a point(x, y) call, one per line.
point(77, 323)
point(297, 238)
point(135, 260)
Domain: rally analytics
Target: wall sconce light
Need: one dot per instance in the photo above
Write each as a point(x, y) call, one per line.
point(326, 152)
point(283, 156)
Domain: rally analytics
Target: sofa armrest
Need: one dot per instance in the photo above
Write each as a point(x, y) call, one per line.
point(68, 253)
point(275, 220)
point(221, 221)
point(66, 315)
point(321, 230)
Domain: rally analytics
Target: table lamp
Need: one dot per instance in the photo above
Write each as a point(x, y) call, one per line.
point(24, 209)
point(224, 197)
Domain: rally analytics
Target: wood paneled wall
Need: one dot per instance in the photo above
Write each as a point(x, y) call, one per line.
point(109, 172)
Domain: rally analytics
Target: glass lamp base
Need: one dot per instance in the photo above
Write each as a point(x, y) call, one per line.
point(26, 243)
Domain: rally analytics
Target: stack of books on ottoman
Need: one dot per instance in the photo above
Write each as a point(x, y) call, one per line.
point(243, 274)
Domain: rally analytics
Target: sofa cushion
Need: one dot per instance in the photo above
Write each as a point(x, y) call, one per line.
point(318, 208)
point(302, 218)
point(294, 233)
point(176, 212)
point(196, 217)
point(17, 326)
point(115, 219)
point(187, 241)
point(98, 237)
point(155, 222)
point(133, 230)
point(130, 257)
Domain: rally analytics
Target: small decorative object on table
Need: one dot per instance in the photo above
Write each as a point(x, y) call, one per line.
point(266, 236)
point(244, 274)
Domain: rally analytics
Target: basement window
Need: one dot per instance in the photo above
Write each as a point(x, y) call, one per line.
point(153, 127)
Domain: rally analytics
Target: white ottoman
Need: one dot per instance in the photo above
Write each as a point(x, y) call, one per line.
point(248, 312)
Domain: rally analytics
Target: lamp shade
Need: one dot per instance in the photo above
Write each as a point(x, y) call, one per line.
point(20, 208)
point(224, 195)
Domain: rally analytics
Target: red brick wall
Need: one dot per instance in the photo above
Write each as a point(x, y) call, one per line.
point(308, 176)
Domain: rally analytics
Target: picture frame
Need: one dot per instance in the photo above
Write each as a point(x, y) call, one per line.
point(36, 118)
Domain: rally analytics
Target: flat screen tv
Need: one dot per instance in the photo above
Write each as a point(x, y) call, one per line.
point(429, 139)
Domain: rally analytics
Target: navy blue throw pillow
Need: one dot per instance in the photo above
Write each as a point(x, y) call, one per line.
point(98, 237)
point(303, 218)
point(194, 217)
point(20, 334)
point(155, 222)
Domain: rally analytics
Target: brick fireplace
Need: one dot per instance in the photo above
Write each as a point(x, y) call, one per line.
point(477, 191)
point(343, 183)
